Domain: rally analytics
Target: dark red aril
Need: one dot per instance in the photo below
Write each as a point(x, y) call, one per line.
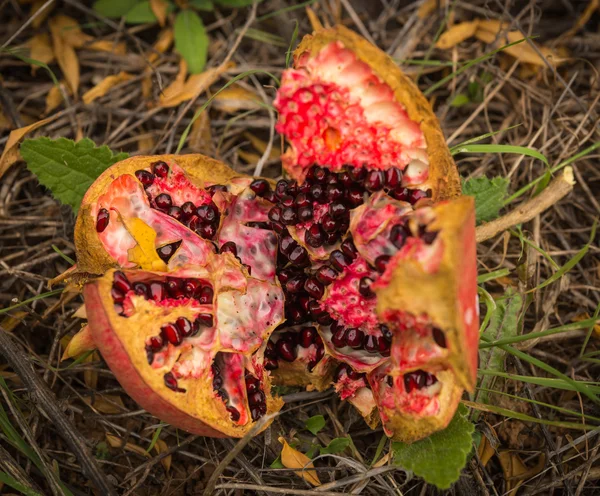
point(418, 380)
point(314, 236)
point(393, 177)
point(256, 398)
point(204, 319)
point(205, 296)
point(175, 288)
point(339, 337)
point(334, 192)
point(141, 289)
point(275, 214)
point(121, 282)
point(163, 201)
point(307, 336)
point(193, 222)
point(295, 284)
point(288, 216)
point(287, 245)
point(331, 238)
point(381, 263)
point(116, 295)
point(281, 188)
point(270, 351)
point(317, 192)
point(175, 212)
point(383, 346)
point(295, 314)
point(285, 275)
point(302, 200)
point(207, 213)
point(252, 384)
point(102, 220)
point(418, 194)
point(299, 256)
point(354, 338)
point(158, 291)
point(206, 231)
point(172, 334)
point(429, 236)
point(314, 288)
point(256, 412)
point(171, 383)
point(329, 224)
point(303, 301)
point(357, 173)
point(371, 344)
point(165, 252)
point(364, 288)
point(287, 201)
point(355, 196)
point(144, 177)
point(305, 213)
point(324, 319)
point(400, 193)
point(188, 209)
point(270, 196)
point(190, 286)
point(270, 364)
point(314, 307)
point(386, 332)
point(374, 180)
point(217, 187)
point(349, 248)
point(229, 247)
point(184, 326)
point(233, 413)
point(286, 350)
point(344, 178)
point(338, 210)
point(155, 343)
point(399, 234)
point(160, 168)
point(326, 274)
point(439, 337)
point(260, 187)
point(339, 260)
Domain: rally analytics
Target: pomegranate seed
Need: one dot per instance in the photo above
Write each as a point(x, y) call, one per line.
point(206, 231)
point(270, 351)
point(398, 235)
point(157, 291)
point(390, 381)
point(229, 247)
point(165, 252)
point(381, 262)
point(320, 174)
point(119, 309)
point(326, 274)
point(255, 413)
point(305, 213)
point(349, 248)
point(439, 337)
point(144, 177)
point(324, 319)
point(340, 372)
point(102, 220)
point(383, 345)
point(299, 256)
point(172, 334)
point(184, 326)
point(307, 336)
point(339, 338)
point(163, 201)
point(334, 192)
point(171, 383)
point(344, 178)
point(314, 288)
point(302, 200)
point(303, 301)
point(329, 224)
point(160, 168)
point(357, 174)
point(270, 196)
point(281, 188)
point(317, 192)
point(386, 332)
point(193, 221)
point(338, 210)
point(393, 177)
point(314, 307)
point(288, 216)
point(216, 187)
point(204, 319)
point(418, 194)
point(217, 382)
point(205, 296)
point(371, 344)
point(233, 413)
point(374, 180)
point(188, 209)
point(259, 225)
point(354, 338)
point(286, 274)
point(117, 295)
point(430, 379)
point(270, 364)
point(287, 201)
point(175, 212)
point(320, 353)
point(287, 244)
point(314, 236)
point(275, 214)
point(190, 286)
point(141, 289)
point(355, 196)
point(364, 288)
point(252, 384)
point(286, 350)
point(175, 288)
point(295, 284)
point(260, 187)
point(429, 236)
point(331, 238)
point(256, 398)
point(338, 260)
point(207, 213)
point(295, 314)
point(121, 282)
point(156, 343)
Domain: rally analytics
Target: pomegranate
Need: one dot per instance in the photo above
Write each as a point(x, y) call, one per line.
point(357, 270)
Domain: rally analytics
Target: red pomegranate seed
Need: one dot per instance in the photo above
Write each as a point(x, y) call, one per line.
point(217, 382)
point(320, 353)
point(302, 200)
point(288, 216)
point(386, 332)
point(331, 238)
point(270, 196)
point(229, 247)
point(175, 287)
point(314, 236)
point(171, 333)
point(398, 235)
point(343, 369)
point(314, 288)
point(337, 210)
point(205, 296)
point(160, 168)
point(256, 398)
point(418, 194)
point(349, 248)
point(156, 343)
point(364, 288)
point(329, 224)
point(144, 177)
point(374, 180)
point(158, 291)
point(305, 213)
point(233, 413)
point(355, 196)
point(287, 244)
point(354, 338)
point(334, 192)
point(216, 187)
point(206, 231)
point(357, 174)
point(281, 188)
point(255, 413)
point(317, 192)
point(315, 309)
point(165, 252)
point(117, 295)
point(175, 212)
point(295, 284)
point(171, 383)
point(303, 301)
point(270, 351)
point(286, 274)
point(121, 282)
point(184, 326)
point(324, 319)
point(381, 262)
point(339, 338)
point(204, 319)
point(252, 384)
point(326, 274)
point(339, 260)
point(295, 314)
point(270, 364)
point(390, 381)
point(286, 350)
point(439, 337)
point(429, 236)
point(307, 336)
point(260, 187)
point(193, 222)
point(383, 345)
point(371, 344)
point(141, 289)
point(190, 287)
point(287, 200)
point(163, 201)
point(102, 220)
point(275, 214)
point(400, 193)
point(299, 256)
point(393, 177)
point(188, 209)
point(207, 213)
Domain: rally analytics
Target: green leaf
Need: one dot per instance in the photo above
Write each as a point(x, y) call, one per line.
point(489, 196)
point(314, 449)
point(315, 424)
point(460, 100)
point(114, 8)
point(277, 463)
point(236, 3)
point(102, 452)
point(205, 5)
point(191, 40)
point(336, 445)
point(491, 148)
point(439, 458)
point(140, 13)
point(15, 484)
point(67, 168)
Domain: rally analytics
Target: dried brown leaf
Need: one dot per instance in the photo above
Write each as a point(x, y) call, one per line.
point(55, 97)
point(117, 442)
point(428, 7)
point(163, 43)
point(11, 321)
point(70, 31)
point(292, 458)
point(90, 377)
point(40, 18)
point(515, 472)
point(109, 403)
point(104, 86)
point(160, 7)
point(65, 53)
point(41, 50)
point(585, 16)
point(200, 136)
point(160, 447)
point(145, 142)
point(261, 146)
point(235, 98)
point(456, 34)
point(78, 344)
point(108, 46)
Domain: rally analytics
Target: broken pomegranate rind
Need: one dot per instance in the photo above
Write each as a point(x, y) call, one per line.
point(175, 381)
point(446, 298)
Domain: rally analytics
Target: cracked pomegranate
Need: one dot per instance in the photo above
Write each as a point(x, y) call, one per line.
point(358, 270)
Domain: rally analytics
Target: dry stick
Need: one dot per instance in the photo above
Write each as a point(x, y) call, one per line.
point(46, 403)
point(278, 490)
point(556, 190)
point(10, 466)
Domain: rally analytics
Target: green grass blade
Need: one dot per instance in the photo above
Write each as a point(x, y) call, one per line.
point(482, 137)
point(284, 10)
point(65, 257)
point(290, 51)
point(490, 276)
point(18, 53)
point(594, 319)
point(15, 484)
point(154, 438)
point(32, 299)
point(521, 150)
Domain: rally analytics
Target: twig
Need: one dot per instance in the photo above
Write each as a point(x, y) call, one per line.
point(277, 490)
point(556, 190)
point(46, 403)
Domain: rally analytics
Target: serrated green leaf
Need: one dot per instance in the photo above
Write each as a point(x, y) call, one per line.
point(67, 168)
point(236, 3)
point(460, 100)
point(191, 40)
point(336, 445)
point(489, 196)
point(315, 424)
point(140, 13)
point(114, 8)
point(439, 458)
point(205, 5)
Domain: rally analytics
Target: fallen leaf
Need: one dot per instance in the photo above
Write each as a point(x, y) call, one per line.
point(200, 135)
point(249, 157)
point(90, 377)
point(80, 313)
point(39, 19)
point(485, 451)
point(145, 142)
point(582, 20)
point(11, 321)
point(144, 252)
point(586, 316)
point(384, 460)
point(160, 447)
point(456, 34)
point(108, 403)
point(160, 7)
point(40, 49)
point(291, 458)
point(117, 442)
point(235, 98)
point(55, 97)
point(5, 122)
point(78, 344)
point(108, 46)
point(315, 22)
point(103, 86)
point(70, 31)
point(515, 472)
point(65, 54)
point(429, 6)
point(11, 153)
point(163, 43)
point(261, 146)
